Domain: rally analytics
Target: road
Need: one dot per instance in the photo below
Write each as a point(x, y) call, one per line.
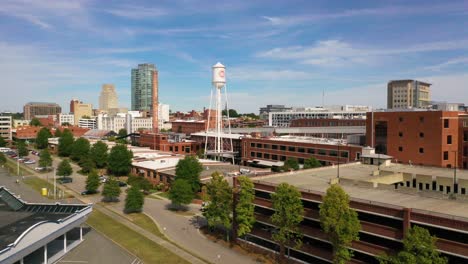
point(183, 230)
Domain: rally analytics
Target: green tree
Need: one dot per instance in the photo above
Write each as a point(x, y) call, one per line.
point(65, 143)
point(80, 149)
point(98, 154)
point(92, 182)
point(58, 133)
point(418, 247)
point(3, 142)
point(340, 222)
point(134, 201)
point(64, 168)
point(291, 164)
point(120, 160)
point(232, 113)
point(189, 169)
point(86, 164)
point(181, 193)
point(111, 191)
point(45, 160)
point(122, 132)
point(42, 138)
point(311, 163)
point(245, 207)
point(219, 208)
point(288, 215)
point(3, 159)
point(66, 124)
point(22, 150)
point(35, 122)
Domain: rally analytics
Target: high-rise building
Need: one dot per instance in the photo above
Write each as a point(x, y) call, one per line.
point(37, 108)
point(145, 91)
point(108, 98)
point(81, 110)
point(264, 111)
point(406, 94)
point(5, 126)
point(72, 105)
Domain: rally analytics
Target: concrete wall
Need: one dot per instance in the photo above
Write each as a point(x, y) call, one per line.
point(444, 183)
point(423, 182)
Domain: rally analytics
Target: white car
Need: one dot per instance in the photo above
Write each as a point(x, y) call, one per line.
point(30, 161)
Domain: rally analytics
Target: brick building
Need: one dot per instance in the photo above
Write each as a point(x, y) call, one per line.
point(37, 108)
point(276, 149)
point(188, 126)
point(166, 142)
point(432, 138)
point(326, 122)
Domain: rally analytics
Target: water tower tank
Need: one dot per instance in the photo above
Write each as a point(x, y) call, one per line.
point(219, 75)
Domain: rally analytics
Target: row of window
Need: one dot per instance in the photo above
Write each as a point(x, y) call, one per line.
point(253, 154)
point(323, 152)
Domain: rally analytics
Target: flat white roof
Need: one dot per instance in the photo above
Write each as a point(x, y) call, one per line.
point(223, 135)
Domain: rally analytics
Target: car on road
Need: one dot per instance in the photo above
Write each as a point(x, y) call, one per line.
point(63, 180)
point(40, 169)
point(29, 161)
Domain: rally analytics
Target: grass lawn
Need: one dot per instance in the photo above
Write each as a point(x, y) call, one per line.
point(153, 197)
point(146, 223)
point(145, 249)
point(163, 194)
point(13, 169)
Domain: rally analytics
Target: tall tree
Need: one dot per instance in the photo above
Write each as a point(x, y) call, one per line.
point(92, 182)
point(219, 208)
point(65, 143)
point(311, 163)
point(418, 247)
point(3, 159)
point(122, 132)
point(45, 160)
point(58, 133)
point(291, 164)
point(64, 168)
point(42, 138)
point(134, 201)
point(35, 122)
point(3, 142)
point(98, 154)
point(181, 193)
point(340, 222)
point(245, 207)
point(189, 169)
point(86, 164)
point(111, 191)
point(22, 150)
point(80, 149)
point(120, 160)
point(288, 215)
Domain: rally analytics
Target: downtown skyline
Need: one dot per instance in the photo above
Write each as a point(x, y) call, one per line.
point(276, 52)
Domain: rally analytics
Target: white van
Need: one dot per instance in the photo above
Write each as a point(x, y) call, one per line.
point(3, 150)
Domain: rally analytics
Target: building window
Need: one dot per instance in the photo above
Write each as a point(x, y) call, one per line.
point(301, 150)
point(344, 154)
point(400, 134)
point(446, 123)
point(445, 155)
point(267, 146)
point(400, 119)
point(421, 119)
point(311, 151)
point(283, 148)
point(283, 158)
point(266, 156)
point(322, 152)
point(274, 146)
point(291, 148)
point(274, 157)
point(259, 145)
point(252, 145)
point(252, 154)
point(176, 148)
point(333, 153)
point(400, 148)
point(421, 134)
point(421, 150)
point(300, 160)
point(449, 139)
point(259, 154)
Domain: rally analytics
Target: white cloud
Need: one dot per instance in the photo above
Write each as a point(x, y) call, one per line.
point(137, 12)
point(448, 63)
point(261, 74)
point(337, 52)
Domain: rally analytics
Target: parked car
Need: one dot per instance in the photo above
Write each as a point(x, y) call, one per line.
point(87, 192)
point(30, 161)
point(103, 178)
point(40, 169)
point(63, 180)
point(122, 184)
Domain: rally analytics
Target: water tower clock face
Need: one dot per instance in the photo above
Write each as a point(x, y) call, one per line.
point(221, 74)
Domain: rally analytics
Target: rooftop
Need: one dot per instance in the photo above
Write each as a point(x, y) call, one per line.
point(318, 180)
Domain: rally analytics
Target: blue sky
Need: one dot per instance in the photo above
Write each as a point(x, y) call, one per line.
point(276, 52)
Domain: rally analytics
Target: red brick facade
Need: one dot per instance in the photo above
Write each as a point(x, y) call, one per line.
point(329, 122)
point(161, 142)
point(432, 138)
point(273, 150)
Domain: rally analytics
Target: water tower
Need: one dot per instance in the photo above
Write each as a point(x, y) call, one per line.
point(218, 143)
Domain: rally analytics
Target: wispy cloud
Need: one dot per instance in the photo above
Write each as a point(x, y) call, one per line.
point(123, 50)
point(448, 63)
point(261, 74)
point(297, 19)
point(337, 52)
point(137, 12)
